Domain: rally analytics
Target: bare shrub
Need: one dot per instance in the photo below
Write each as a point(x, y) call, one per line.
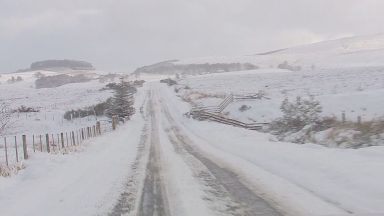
point(25, 109)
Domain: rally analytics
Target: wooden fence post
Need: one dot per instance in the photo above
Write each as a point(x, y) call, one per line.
point(66, 135)
point(17, 153)
point(98, 128)
point(6, 151)
point(33, 143)
point(47, 143)
point(73, 138)
point(25, 149)
point(58, 141)
point(62, 140)
point(114, 122)
point(41, 144)
point(53, 143)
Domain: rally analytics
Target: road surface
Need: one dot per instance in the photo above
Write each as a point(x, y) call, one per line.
point(191, 184)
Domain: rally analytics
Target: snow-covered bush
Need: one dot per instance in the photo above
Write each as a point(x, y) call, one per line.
point(25, 109)
point(38, 75)
point(297, 114)
point(287, 66)
point(244, 107)
point(169, 81)
point(98, 110)
point(5, 116)
point(6, 171)
point(13, 79)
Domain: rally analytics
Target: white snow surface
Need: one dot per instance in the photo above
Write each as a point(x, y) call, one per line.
point(357, 92)
point(52, 103)
point(83, 183)
point(297, 179)
point(86, 182)
point(300, 179)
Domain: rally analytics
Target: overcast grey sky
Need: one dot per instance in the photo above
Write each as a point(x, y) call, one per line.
point(120, 35)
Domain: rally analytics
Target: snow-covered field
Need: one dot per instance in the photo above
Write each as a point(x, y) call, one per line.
point(52, 103)
point(86, 182)
point(345, 75)
point(357, 92)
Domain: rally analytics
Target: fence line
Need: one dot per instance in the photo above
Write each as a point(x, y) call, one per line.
point(212, 113)
point(60, 142)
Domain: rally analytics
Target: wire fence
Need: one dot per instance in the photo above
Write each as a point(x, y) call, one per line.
point(15, 149)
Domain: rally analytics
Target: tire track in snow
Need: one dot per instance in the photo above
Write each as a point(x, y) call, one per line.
point(214, 193)
point(153, 200)
point(128, 201)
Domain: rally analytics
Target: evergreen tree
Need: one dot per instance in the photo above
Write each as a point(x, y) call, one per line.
point(122, 101)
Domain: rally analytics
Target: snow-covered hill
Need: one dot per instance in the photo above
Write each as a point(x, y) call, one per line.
point(353, 52)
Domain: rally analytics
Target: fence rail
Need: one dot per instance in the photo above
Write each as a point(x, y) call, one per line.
point(228, 100)
point(215, 109)
point(203, 115)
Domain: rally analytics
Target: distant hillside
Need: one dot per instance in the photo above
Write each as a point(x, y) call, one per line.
point(58, 65)
point(347, 53)
point(68, 64)
point(171, 67)
point(59, 80)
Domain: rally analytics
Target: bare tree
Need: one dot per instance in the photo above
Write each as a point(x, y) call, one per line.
point(5, 116)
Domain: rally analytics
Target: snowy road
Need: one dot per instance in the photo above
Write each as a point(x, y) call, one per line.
point(219, 190)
